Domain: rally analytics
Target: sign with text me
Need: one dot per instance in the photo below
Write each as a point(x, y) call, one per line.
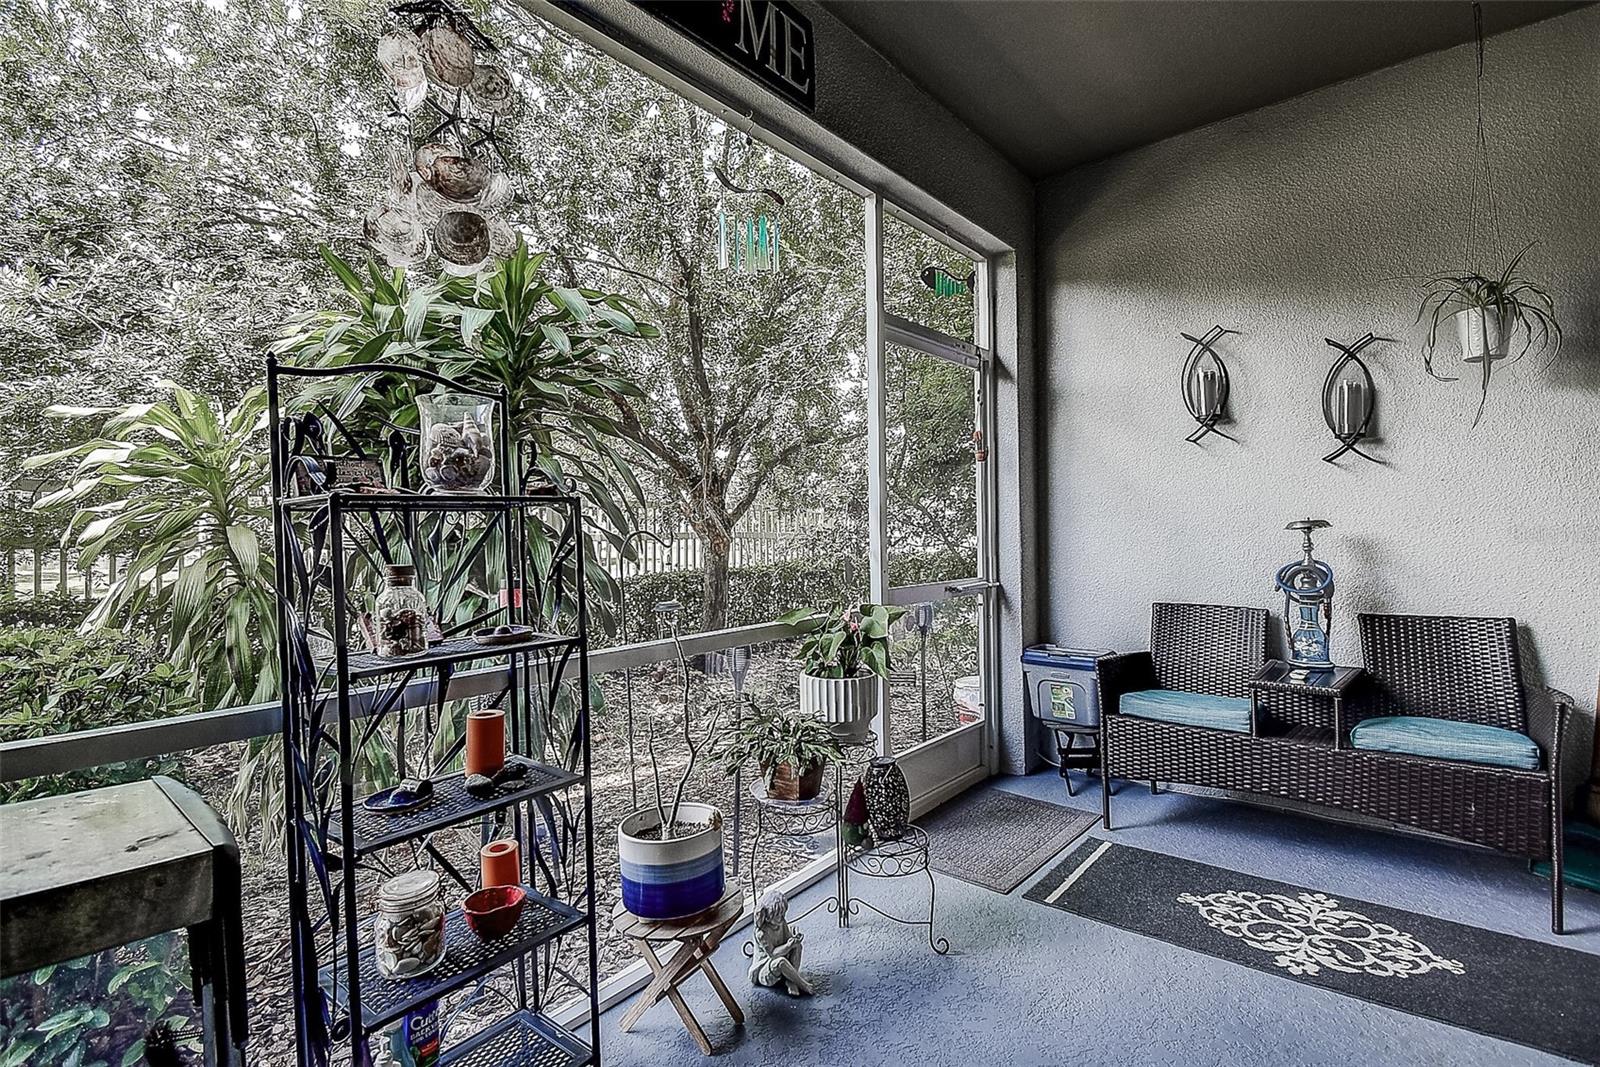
point(769, 39)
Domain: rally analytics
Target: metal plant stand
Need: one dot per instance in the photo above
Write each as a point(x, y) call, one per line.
point(501, 558)
point(903, 857)
point(805, 819)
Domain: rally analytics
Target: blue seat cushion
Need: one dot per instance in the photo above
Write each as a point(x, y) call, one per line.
point(1188, 709)
point(1472, 742)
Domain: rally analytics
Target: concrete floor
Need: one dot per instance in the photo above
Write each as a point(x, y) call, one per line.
point(1028, 984)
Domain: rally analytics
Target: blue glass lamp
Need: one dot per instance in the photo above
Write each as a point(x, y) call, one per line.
point(1307, 587)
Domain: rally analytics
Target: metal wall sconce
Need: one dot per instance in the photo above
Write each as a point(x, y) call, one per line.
point(1348, 398)
point(1205, 384)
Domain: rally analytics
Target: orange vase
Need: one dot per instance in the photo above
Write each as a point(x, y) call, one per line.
point(500, 863)
point(486, 741)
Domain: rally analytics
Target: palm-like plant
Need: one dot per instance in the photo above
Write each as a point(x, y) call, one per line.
point(1505, 303)
point(552, 347)
point(181, 484)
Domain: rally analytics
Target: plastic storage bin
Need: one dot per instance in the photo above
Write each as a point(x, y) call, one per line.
point(1061, 685)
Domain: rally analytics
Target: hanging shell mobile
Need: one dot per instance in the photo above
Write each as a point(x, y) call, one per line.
point(446, 187)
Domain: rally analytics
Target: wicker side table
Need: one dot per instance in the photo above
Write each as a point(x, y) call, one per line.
point(1330, 684)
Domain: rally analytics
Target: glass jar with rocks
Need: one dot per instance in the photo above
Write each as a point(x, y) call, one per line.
point(408, 934)
point(400, 616)
point(457, 453)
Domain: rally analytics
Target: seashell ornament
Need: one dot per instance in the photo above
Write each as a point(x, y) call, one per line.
point(448, 57)
point(462, 240)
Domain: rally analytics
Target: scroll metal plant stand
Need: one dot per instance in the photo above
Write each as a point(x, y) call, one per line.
point(796, 820)
point(484, 560)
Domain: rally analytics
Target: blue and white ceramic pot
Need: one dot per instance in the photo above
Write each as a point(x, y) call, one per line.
point(675, 878)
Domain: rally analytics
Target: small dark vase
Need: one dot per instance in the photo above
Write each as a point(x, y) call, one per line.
point(888, 799)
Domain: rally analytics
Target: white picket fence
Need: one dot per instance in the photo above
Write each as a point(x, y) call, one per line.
point(763, 536)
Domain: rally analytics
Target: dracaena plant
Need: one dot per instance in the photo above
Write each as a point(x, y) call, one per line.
point(554, 349)
point(1517, 304)
point(181, 484)
point(840, 641)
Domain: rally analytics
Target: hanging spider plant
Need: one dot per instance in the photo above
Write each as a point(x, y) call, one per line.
point(1488, 313)
point(1488, 310)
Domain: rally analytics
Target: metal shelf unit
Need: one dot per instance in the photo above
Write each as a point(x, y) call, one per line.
point(508, 556)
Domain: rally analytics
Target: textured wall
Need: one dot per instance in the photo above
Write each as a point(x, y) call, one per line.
point(1292, 224)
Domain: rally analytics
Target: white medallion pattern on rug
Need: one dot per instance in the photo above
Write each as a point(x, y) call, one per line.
point(1311, 931)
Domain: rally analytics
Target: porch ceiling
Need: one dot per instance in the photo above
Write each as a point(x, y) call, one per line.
point(1053, 85)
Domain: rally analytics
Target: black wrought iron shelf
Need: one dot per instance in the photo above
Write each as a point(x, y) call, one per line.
point(526, 1039)
point(454, 650)
point(399, 501)
point(451, 805)
point(466, 959)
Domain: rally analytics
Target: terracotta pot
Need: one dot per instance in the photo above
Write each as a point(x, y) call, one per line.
point(500, 863)
point(486, 742)
point(787, 785)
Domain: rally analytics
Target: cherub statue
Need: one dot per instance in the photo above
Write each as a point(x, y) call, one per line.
point(778, 946)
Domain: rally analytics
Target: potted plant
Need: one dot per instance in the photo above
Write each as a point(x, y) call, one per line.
point(791, 750)
point(844, 653)
point(1488, 312)
point(671, 854)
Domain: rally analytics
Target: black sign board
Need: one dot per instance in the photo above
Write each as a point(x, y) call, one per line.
point(767, 38)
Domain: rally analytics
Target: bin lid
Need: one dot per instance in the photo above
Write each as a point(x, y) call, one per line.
point(1052, 655)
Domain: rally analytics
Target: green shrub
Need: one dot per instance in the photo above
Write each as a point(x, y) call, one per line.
point(53, 609)
point(762, 593)
point(94, 1010)
point(55, 681)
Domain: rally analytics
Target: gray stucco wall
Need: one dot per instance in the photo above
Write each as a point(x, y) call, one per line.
point(1292, 224)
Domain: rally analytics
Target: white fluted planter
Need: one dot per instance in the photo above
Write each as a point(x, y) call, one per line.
point(1483, 332)
point(847, 705)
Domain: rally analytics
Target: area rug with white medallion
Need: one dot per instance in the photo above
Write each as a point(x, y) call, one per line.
point(1530, 992)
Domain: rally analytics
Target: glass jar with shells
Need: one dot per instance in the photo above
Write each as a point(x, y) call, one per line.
point(445, 187)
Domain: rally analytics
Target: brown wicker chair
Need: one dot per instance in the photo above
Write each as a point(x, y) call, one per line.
point(1463, 669)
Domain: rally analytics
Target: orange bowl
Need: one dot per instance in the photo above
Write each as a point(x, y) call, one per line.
point(492, 912)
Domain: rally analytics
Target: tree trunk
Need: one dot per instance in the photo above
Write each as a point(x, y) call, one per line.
point(714, 583)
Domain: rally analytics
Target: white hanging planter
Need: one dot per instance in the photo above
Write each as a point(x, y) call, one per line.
point(1484, 332)
point(847, 705)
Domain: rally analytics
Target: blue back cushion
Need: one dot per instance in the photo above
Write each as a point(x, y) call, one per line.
point(1416, 735)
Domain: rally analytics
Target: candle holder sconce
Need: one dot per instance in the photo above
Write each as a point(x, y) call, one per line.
point(1348, 396)
point(1205, 384)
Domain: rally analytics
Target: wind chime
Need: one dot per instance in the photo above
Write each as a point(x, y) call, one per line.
point(447, 184)
point(943, 283)
point(748, 243)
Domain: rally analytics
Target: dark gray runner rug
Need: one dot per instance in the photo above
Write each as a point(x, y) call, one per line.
point(995, 838)
point(1525, 991)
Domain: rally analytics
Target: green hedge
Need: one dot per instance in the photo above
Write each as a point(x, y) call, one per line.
point(54, 681)
point(53, 610)
point(760, 594)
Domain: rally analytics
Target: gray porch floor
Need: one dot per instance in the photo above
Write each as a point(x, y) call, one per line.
point(1027, 984)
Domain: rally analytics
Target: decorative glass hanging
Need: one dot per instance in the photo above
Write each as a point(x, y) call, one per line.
point(446, 185)
point(943, 283)
point(748, 242)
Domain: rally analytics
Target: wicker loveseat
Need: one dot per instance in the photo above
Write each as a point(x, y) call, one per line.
point(1441, 696)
